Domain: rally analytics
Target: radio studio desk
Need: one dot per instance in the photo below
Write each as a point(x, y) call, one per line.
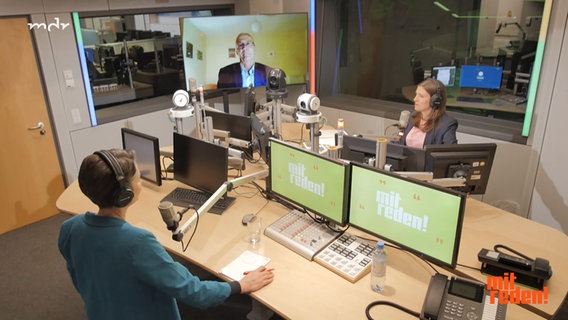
point(304, 289)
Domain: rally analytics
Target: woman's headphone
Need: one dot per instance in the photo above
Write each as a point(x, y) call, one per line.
point(437, 98)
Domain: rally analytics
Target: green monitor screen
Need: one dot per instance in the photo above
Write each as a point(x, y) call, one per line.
point(309, 180)
point(421, 218)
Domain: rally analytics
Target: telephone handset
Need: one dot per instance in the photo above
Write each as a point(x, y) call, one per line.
point(459, 298)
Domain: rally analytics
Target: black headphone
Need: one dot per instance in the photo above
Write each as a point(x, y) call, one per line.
point(124, 194)
point(437, 98)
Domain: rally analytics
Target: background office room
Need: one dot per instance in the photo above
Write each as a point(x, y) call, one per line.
point(81, 75)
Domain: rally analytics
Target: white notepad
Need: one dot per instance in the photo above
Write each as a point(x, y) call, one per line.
point(245, 262)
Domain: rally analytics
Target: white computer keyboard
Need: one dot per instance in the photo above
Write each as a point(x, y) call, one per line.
point(300, 233)
point(348, 256)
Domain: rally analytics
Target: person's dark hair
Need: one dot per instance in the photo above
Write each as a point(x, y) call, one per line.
point(432, 86)
point(97, 180)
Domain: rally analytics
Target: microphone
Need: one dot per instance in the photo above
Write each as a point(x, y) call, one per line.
point(169, 215)
point(403, 119)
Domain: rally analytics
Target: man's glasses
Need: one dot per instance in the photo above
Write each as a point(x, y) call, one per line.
point(244, 45)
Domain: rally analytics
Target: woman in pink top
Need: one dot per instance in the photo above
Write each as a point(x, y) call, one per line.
point(429, 123)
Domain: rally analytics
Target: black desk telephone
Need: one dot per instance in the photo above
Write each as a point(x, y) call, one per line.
point(457, 298)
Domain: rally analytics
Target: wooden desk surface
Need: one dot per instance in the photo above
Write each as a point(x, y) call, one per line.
point(304, 289)
point(486, 226)
point(301, 289)
point(298, 282)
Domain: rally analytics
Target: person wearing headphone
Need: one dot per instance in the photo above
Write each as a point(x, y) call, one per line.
point(429, 123)
point(121, 271)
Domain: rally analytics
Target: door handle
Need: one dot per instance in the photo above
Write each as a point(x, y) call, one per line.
point(40, 125)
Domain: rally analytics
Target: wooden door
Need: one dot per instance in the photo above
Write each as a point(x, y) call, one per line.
point(31, 178)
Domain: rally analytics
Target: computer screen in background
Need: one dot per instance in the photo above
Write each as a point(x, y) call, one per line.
point(481, 77)
point(472, 161)
point(147, 151)
point(280, 41)
point(239, 126)
point(445, 74)
point(418, 217)
point(311, 181)
point(399, 157)
point(200, 164)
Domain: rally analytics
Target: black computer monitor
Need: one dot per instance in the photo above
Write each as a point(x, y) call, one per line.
point(419, 217)
point(261, 135)
point(471, 161)
point(445, 74)
point(200, 164)
point(309, 180)
point(147, 149)
point(238, 126)
point(399, 157)
point(481, 77)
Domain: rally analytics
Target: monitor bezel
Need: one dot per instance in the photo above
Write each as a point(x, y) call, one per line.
point(436, 153)
point(227, 121)
point(397, 157)
point(459, 221)
point(346, 182)
point(187, 179)
point(496, 87)
point(157, 179)
point(250, 19)
point(453, 69)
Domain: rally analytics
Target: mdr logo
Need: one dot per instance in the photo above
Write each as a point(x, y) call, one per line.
point(57, 25)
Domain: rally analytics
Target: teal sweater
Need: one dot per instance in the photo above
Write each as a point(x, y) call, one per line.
point(122, 272)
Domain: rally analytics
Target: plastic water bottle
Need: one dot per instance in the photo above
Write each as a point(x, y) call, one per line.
point(379, 268)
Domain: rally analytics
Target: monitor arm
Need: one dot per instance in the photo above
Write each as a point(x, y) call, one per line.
point(224, 188)
point(428, 177)
point(226, 136)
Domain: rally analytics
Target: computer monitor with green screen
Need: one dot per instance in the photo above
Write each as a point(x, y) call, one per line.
point(311, 181)
point(421, 218)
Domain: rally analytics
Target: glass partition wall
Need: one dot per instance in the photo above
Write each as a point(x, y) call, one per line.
point(379, 50)
point(133, 57)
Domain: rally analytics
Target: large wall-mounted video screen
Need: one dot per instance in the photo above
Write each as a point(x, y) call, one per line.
point(213, 50)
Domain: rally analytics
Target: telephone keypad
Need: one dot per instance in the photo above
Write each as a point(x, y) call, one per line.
point(455, 310)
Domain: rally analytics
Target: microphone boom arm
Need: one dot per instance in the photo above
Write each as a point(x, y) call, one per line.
point(227, 186)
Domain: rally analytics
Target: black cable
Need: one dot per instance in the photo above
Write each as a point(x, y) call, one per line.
point(470, 267)
point(261, 190)
point(391, 304)
point(497, 246)
point(246, 194)
point(414, 254)
point(165, 170)
point(184, 248)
